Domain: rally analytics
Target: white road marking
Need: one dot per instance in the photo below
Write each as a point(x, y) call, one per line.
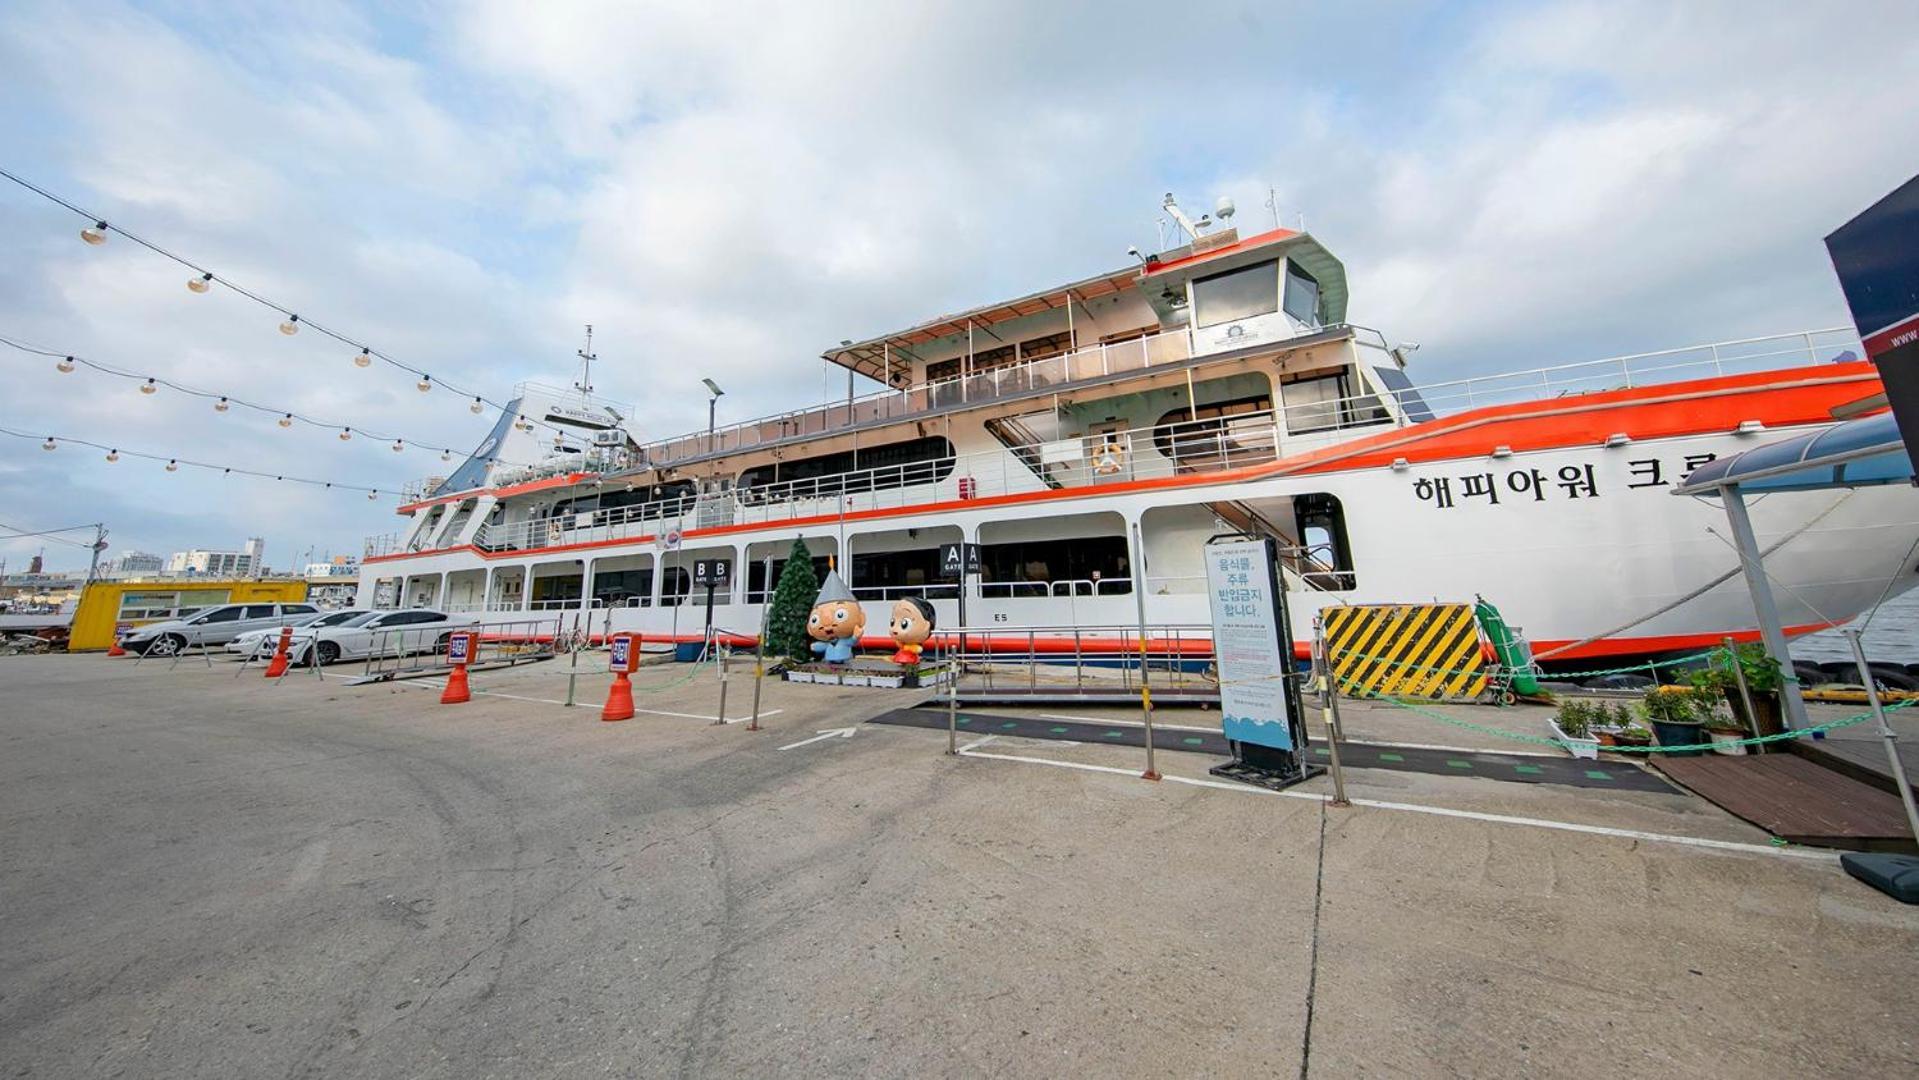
point(1441, 811)
point(977, 742)
point(829, 733)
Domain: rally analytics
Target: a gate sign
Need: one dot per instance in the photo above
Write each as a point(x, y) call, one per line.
point(950, 556)
point(1244, 594)
point(459, 649)
point(712, 571)
point(621, 654)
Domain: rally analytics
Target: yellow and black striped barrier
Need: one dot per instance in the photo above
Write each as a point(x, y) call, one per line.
point(1429, 651)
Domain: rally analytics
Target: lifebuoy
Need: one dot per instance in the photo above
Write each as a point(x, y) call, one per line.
point(1109, 459)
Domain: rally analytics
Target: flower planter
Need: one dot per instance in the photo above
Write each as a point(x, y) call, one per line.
point(1671, 734)
point(1770, 721)
point(1579, 748)
point(1728, 742)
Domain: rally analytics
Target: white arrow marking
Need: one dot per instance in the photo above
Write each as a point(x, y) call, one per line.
point(829, 733)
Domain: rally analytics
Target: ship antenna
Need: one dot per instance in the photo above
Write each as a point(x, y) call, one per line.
point(585, 385)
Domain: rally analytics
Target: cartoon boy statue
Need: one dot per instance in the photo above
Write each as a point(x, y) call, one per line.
point(836, 622)
point(911, 625)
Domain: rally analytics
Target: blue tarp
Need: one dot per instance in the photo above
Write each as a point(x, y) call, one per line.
point(1852, 454)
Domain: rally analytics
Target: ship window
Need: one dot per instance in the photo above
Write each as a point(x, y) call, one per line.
point(1181, 436)
point(1302, 294)
point(1326, 401)
point(757, 591)
point(888, 575)
point(1327, 561)
point(893, 465)
point(1032, 568)
point(1236, 294)
point(624, 588)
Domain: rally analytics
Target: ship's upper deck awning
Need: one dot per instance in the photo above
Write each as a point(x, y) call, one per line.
point(1856, 453)
point(883, 357)
point(873, 356)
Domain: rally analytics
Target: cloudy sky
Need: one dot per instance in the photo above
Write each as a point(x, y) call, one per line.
point(725, 192)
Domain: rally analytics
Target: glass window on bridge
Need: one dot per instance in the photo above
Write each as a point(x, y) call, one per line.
point(1085, 566)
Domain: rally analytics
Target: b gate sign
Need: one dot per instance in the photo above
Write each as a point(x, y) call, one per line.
point(1243, 591)
point(620, 654)
point(712, 572)
point(459, 649)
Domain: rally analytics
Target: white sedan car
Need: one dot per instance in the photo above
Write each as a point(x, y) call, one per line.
point(261, 643)
point(377, 633)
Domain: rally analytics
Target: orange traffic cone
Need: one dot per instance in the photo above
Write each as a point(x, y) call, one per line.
point(115, 649)
point(619, 700)
point(278, 666)
point(456, 688)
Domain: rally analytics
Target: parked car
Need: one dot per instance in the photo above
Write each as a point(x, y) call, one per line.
point(261, 643)
point(385, 633)
point(213, 626)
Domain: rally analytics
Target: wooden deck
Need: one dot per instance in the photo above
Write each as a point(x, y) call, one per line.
point(1796, 800)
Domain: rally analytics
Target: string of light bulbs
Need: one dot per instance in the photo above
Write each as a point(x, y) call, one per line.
point(96, 232)
point(173, 464)
point(66, 363)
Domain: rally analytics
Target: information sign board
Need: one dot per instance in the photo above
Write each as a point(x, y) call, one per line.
point(1251, 646)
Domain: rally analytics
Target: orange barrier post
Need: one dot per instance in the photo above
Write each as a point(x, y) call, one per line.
point(278, 665)
point(621, 657)
point(459, 651)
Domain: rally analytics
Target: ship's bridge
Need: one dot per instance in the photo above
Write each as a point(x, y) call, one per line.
point(1217, 296)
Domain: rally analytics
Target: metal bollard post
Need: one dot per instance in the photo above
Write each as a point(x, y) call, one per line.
point(573, 674)
point(1745, 695)
point(1330, 715)
point(720, 653)
point(1885, 731)
point(952, 704)
point(759, 676)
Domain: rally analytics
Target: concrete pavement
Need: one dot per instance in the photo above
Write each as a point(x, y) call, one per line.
point(209, 876)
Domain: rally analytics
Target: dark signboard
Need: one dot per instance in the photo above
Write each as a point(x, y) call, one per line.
point(950, 560)
point(715, 572)
point(1877, 258)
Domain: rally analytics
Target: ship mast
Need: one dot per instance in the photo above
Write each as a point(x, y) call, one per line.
point(585, 382)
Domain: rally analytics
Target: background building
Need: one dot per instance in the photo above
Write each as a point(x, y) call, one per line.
point(244, 563)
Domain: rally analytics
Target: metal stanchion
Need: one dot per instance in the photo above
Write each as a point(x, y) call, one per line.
point(1885, 731)
point(759, 647)
point(1745, 695)
point(720, 653)
point(1329, 713)
point(573, 671)
point(954, 664)
point(1145, 687)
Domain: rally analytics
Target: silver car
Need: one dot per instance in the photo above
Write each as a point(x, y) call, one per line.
point(262, 643)
point(383, 633)
point(213, 626)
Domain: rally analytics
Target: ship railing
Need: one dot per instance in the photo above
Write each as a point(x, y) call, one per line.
point(1083, 657)
point(934, 395)
point(383, 544)
point(935, 591)
point(1741, 356)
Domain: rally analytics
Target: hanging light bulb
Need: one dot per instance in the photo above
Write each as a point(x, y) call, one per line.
point(49, 444)
point(65, 367)
point(346, 433)
point(287, 420)
point(477, 405)
point(200, 284)
point(113, 455)
point(221, 405)
point(398, 446)
point(373, 494)
point(365, 359)
point(425, 383)
point(172, 465)
point(149, 387)
point(95, 234)
point(446, 455)
point(291, 326)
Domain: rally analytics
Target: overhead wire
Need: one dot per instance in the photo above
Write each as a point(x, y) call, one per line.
point(284, 415)
point(99, 226)
point(53, 442)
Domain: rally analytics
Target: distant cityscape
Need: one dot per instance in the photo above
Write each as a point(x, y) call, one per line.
point(33, 584)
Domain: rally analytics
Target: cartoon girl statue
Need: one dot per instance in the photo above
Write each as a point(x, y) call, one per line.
point(910, 626)
point(836, 622)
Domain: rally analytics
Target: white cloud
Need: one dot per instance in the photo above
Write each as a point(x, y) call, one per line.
point(724, 191)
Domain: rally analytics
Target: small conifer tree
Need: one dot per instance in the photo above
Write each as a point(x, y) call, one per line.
point(792, 603)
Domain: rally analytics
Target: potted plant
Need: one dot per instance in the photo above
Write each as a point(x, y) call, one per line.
point(1572, 725)
point(1627, 728)
point(1763, 680)
point(1675, 716)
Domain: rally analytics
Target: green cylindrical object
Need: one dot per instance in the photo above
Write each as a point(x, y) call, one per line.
point(1505, 646)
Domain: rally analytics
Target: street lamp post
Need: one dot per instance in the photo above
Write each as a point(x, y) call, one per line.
point(712, 388)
